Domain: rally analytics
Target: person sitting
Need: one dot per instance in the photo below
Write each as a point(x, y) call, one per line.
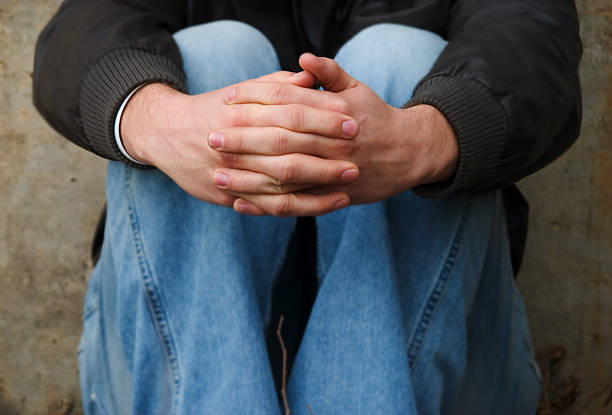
point(367, 200)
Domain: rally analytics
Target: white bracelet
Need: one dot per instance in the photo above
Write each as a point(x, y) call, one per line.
point(118, 124)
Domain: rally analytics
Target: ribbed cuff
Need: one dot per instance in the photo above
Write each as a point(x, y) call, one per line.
point(480, 124)
point(106, 86)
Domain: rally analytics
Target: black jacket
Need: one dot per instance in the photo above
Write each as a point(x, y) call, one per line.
point(507, 80)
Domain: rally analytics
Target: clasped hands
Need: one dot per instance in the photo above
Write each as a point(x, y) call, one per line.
point(274, 145)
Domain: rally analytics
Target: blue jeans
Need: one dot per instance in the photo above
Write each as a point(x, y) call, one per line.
point(416, 310)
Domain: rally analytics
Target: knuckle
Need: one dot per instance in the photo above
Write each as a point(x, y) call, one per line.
point(283, 206)
point(276, 182)
point(326, 175)
point(288, 170)
point(296, 117)
point(342, 106)
point(279, 93)
point(239, 144)
point(332, 123)
point(238, 116)
point(229, 159)
point(342, 147)
point(282, 142)
point(278, 188)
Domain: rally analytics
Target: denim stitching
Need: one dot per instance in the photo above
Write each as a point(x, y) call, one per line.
point(88, 312)
point(155, 300)
point(418, 337)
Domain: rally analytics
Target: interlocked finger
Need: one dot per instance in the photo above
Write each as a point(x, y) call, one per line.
point(294, 117)
point(290, 204)
point(303, 79)
point(294, 168)
point(279, 93)
point(244, 181)
point(274, 141)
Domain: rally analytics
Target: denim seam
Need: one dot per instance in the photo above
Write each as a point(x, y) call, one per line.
point(88, 313)
point(155, 300)
point(439, 288)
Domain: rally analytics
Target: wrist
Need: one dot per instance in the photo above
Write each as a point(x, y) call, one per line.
point(435, 141)
point(145, 120)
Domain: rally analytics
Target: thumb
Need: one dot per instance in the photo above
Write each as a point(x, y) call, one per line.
point(328, 73)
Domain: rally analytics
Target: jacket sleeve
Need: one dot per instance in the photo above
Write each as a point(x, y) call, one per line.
point(508, 83)
point(93, 53)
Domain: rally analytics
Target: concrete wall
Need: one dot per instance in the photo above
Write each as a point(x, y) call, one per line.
point(51, 192)
point(50, 195)
point(567, 275)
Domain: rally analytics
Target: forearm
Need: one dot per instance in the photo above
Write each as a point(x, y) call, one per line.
point(508, 83)
point(91, 55)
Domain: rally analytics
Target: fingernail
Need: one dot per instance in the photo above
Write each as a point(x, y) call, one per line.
point(221, 179)
point(242, 206)
point(349, 175)
point(229, 94)
point(349, 127)
point(215, 140)
point(341, 203)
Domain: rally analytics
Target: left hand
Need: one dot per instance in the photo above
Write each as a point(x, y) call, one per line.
point(395, 149)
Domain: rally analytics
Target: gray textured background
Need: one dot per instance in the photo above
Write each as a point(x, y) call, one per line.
point(51, 193)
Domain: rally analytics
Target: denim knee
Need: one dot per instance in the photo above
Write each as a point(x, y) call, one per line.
point(225, 51)
point(380, 37)
point(391, 59)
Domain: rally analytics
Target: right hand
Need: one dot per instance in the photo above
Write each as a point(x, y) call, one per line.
point(169, 130)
